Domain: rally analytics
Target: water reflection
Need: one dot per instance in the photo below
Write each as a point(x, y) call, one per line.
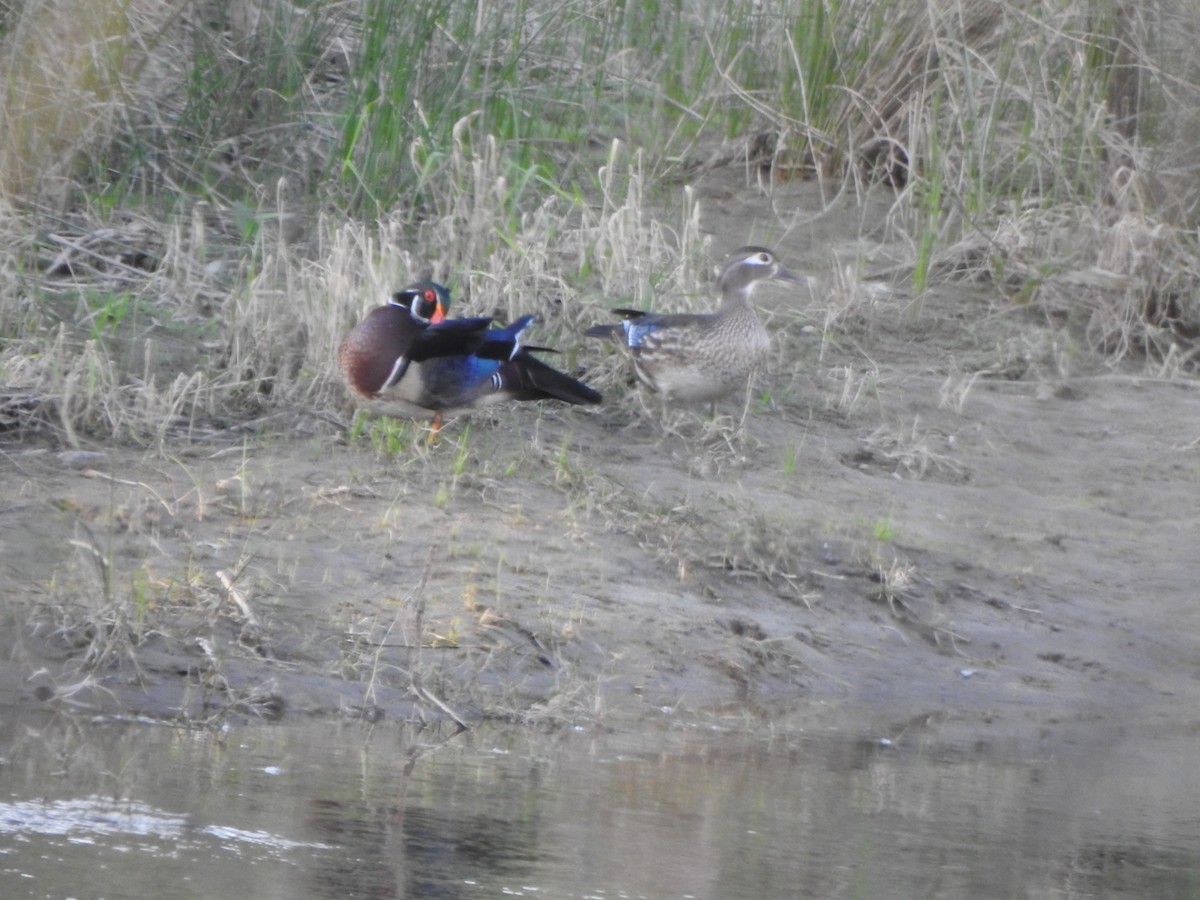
point(330, 810)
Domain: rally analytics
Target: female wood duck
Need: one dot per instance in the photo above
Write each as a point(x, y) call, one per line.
point(692, 357)
point(408, 359)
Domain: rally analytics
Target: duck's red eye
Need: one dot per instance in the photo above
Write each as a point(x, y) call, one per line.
point(430, 296)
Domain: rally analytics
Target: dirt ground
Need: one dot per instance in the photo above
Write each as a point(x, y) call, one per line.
point(948, 513)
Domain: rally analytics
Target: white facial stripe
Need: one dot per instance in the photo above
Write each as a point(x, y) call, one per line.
point(413, 303)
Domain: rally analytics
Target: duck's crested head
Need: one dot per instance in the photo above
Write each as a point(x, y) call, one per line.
point(426, 301)
point(750, 265)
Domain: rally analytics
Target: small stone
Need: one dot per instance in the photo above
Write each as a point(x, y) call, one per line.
point(82, 459)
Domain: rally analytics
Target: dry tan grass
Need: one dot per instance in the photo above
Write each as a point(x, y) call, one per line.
point(67, 72)
point(60, 72)
point(1061, 143)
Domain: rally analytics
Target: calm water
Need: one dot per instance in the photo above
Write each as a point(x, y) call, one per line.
point(108, 810)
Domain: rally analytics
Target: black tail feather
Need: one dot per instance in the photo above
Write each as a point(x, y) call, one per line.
point(540, 381)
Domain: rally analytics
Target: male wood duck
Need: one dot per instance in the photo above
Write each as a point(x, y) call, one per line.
point(408, 359)
point(693, 357)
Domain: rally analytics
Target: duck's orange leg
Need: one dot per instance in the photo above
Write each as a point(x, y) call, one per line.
point(435, 428)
